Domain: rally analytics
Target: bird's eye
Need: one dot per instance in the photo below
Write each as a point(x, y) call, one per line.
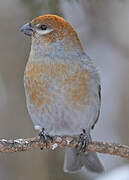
point(43, 27)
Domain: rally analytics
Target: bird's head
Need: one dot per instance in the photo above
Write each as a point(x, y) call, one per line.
point(51, 32)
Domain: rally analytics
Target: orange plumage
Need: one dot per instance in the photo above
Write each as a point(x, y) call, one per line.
point(73, 81)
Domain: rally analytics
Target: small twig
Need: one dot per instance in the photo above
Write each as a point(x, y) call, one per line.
point(62, 142)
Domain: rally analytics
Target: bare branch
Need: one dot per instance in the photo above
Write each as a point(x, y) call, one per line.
point(62, 142)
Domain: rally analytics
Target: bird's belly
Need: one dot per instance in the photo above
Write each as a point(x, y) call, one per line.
point(62, 120)
point(60, 99)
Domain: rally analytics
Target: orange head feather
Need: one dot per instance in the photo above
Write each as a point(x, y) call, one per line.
point(60, 29)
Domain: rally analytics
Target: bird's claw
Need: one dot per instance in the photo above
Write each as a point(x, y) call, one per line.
point(83, 142)
point(44, 136)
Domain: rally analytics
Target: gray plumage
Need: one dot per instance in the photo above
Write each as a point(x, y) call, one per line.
point(75, 161)
point(62, 86)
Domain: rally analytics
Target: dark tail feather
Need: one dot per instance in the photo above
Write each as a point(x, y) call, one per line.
point(92, 162)
point(74, 161)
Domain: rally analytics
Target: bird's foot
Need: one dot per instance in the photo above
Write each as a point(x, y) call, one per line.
point(44, 136)
point(84, 140)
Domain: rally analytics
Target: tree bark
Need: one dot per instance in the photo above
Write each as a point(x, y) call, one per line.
point(19, 145)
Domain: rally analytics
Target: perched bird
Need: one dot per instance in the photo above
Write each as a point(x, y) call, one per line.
point(62, 87)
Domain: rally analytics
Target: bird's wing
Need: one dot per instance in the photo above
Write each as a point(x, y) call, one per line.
point(96, 76)
point(99, 94)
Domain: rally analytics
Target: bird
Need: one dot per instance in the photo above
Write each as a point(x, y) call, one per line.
point(62, 88)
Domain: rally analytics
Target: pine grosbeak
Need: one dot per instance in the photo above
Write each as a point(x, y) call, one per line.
point(62, 87)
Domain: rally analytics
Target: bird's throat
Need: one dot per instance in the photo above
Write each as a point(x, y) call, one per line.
point(58, 49)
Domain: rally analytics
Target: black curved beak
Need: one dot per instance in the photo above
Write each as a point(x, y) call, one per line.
point(27, 29)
